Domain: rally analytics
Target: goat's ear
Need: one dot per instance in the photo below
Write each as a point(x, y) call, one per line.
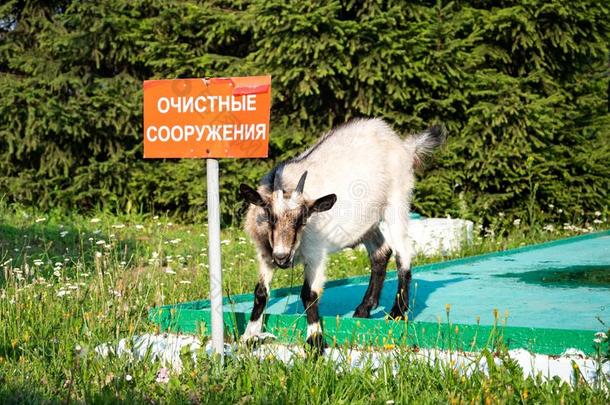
point(323, 203)
point(251, 195)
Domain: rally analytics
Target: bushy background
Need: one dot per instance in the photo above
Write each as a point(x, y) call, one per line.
point(522, 87)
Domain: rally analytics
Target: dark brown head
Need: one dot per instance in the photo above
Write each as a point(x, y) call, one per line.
point(287, 216)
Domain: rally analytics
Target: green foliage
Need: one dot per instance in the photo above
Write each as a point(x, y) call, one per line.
point(521, 86)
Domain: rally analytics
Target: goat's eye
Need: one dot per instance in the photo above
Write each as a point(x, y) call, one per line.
point(298, 222)
point(272, 219)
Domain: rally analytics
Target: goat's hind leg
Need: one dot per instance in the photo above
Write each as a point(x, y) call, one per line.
point(397, 219)
point(379, 254)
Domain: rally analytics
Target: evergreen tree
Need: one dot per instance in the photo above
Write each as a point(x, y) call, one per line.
point(521, 86)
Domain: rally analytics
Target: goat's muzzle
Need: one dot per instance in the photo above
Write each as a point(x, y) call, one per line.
point(282, 259)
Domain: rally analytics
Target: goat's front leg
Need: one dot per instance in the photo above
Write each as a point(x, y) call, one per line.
point(261, 295)
point(310, 295)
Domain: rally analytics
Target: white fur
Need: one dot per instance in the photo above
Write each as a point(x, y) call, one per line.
point(313, 328)
point(370, 169)
point(253, 329)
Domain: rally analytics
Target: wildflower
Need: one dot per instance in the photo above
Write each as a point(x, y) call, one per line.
point(597, 340)
point(56, 273)
point(98, 255)
point(185, 282)
point(100, 242)
point(63, 233)
point(156, 217)
point(162, 376)
point(598, 214)
point(549, 228)
point(118, 226)
point(42, 219)
point(128, 377)
point(175, 241)
point(62, 292)
point(517, 222)
point(155, 255)
point(225, 241)
point(597, 221)
point(168, 270)
point(139, 227)
point(94, 220)
point(501, 214)
point(601, 335)
point(560, 210)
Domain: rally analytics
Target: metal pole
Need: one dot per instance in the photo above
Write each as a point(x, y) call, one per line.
point(214, 257)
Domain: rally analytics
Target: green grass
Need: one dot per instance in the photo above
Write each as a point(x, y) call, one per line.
point(68, 284)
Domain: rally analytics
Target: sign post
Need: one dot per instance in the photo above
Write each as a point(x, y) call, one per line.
point(208, 118)
point(214, 257)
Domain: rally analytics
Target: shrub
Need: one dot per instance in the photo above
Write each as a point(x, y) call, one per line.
point(520, 86)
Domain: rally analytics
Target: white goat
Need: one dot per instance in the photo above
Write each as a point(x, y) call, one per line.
point(332, 196)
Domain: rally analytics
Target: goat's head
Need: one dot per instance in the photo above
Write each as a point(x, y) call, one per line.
point(287, 214)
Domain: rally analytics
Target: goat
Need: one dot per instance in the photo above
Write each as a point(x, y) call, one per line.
point(330, 197)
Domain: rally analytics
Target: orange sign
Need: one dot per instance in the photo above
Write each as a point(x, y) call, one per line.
point(207, 118)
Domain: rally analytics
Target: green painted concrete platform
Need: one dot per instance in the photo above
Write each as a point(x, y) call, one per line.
point(555, 295)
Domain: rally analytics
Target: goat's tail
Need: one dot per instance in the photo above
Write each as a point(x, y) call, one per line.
point(424, 143)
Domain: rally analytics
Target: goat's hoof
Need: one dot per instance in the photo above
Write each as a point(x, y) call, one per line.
point(257, 339)
point(362, 312)
point(397, 314)
point(316, 343)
